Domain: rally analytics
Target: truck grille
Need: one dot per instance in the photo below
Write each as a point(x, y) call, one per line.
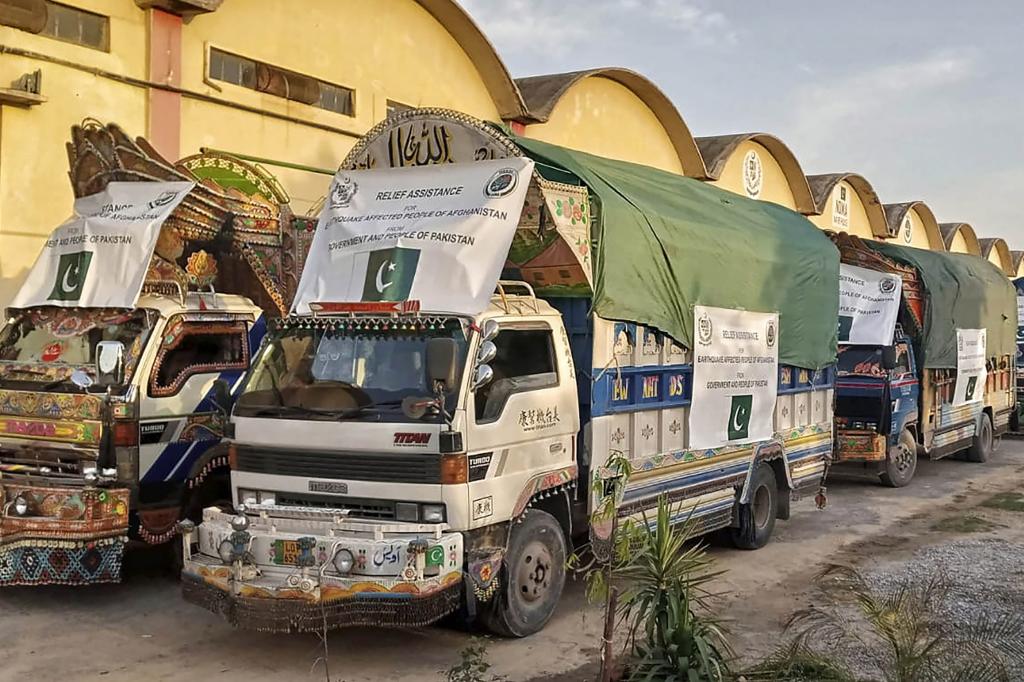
point(63, 465)
point(351, 466)
point(365, 509)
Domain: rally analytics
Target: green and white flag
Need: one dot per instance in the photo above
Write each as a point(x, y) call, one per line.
point(99, 257)
point(437, 235)
point(971, 373)
point(735, 377)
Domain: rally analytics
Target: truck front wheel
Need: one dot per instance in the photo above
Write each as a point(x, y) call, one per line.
point(901, 462)
point(757, 517)
point(534, 576)
point(982, 446)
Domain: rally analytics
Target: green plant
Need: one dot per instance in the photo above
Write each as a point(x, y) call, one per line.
point(472, 665)
point(902, 629)
point(1013, 502)
point(967, 523)
point(661, 604)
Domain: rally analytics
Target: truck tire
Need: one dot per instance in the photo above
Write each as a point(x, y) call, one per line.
point(901, 462)
point(982, 446)
point(532, 578)
point(757, 517)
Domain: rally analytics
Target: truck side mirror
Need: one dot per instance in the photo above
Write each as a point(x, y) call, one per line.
point(490, 330)
point(486, 353)
point(484, 375)
point(442, 363)
point(109, 363)
point(889, 357)
point(222, 396)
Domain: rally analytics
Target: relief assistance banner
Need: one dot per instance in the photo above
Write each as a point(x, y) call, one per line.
point(438, 235)
point(735, 377)
point(970, 366)
point(100, 256)
point(869, 303)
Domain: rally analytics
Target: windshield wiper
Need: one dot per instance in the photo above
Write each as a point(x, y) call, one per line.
point(281, 410)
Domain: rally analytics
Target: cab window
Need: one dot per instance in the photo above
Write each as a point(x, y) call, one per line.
point(525, 362)
point(902, 360)
point(198, 348)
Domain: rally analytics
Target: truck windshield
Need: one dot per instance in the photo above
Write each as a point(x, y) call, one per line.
point(44, 345)
point(861, 360)
point(334, 375)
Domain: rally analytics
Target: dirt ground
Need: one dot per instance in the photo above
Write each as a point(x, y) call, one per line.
point(142, 630)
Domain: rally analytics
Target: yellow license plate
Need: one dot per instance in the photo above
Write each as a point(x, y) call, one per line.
point(286, 552)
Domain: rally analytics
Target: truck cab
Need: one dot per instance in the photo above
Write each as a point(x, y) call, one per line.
point(110, 422)
point(357, 479)
point(876, 411)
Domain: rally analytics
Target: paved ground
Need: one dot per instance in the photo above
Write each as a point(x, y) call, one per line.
point(141, 630)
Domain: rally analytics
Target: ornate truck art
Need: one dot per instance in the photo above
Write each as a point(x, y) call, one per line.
point(394, 509)
point(82, 470)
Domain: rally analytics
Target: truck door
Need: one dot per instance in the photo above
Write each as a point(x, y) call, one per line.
point(904, 390)
point(178, 418)
point(522, 425)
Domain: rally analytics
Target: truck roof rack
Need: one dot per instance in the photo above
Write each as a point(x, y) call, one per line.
point(503, 291)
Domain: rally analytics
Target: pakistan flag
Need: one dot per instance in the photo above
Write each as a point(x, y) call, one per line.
point(739, 416)
point(389, 274)
point(71, 272)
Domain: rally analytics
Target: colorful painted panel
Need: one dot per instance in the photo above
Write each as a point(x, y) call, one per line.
point(82, 432)
point(50, 405)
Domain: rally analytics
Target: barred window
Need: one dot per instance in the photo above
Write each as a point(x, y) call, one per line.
point(262, 77)
point(73, 25)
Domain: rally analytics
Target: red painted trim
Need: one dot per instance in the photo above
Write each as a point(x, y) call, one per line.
point(165, 67)
point(517, 127)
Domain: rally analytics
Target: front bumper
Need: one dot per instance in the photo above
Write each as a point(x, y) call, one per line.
point(860, 446)
point(403, 575)
point(69, 535)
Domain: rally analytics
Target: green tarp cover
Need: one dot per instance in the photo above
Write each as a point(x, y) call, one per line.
point(664, 243)
point(963, 291)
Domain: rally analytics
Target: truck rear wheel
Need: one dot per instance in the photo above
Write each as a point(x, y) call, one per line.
point(533, 579)
point(757, 517)
point(901, 462)
point(982, 446)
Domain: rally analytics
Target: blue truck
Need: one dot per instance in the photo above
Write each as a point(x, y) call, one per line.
point(898, 401)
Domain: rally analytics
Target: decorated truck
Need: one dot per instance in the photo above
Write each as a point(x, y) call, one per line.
point(1016, 419)
point(120, 353)
point(926, 357)
point(475, 346)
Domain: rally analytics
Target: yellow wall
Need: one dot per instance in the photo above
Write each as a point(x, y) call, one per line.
point(958, 244)
point(35, 195)
point(774, 186)
point(600, 116)
point(912, 232)
point(384, 49)
point(857, 217)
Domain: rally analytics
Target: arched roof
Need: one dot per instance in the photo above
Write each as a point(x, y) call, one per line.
point(950, 230)
point(894, 214)
point(542, 94)
point(495, 75)
point(823, 185)
point(717, 149)
point(988, 244)
point(1018, 258)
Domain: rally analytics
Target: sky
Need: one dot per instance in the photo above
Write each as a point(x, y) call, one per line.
point(923, 98)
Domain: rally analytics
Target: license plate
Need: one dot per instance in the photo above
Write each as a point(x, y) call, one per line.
point(286, 552)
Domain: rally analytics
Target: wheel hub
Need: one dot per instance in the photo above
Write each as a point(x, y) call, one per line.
point(903, 459)
point(533, 573)
point(762, 505)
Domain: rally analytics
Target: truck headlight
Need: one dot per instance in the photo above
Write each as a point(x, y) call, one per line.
point(407, 511)
point(343, 561)
point(433, 513)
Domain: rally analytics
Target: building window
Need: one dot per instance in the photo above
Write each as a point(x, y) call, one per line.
point(77, 26)
point(397, 107)
point(261, 77)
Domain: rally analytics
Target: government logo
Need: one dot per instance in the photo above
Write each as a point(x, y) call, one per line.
point(502, 183)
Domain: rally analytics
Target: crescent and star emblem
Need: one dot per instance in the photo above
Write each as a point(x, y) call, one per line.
point(66, 284)
point(736, 425)
point(381, 284)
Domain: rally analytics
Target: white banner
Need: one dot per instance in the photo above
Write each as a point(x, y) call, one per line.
point(438, 235)
point(99, 257)
point(735, 377)
point(970, 366)
point(869, 303)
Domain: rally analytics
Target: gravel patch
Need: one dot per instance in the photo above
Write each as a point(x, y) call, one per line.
point(986, 579)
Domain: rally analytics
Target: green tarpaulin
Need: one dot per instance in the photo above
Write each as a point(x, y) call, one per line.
point(965, 292)
point(664, 243)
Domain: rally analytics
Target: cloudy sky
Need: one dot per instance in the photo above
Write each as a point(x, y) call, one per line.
point(925, 98)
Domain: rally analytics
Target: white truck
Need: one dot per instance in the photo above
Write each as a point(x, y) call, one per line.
point(395, 460)
point(112, 416)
